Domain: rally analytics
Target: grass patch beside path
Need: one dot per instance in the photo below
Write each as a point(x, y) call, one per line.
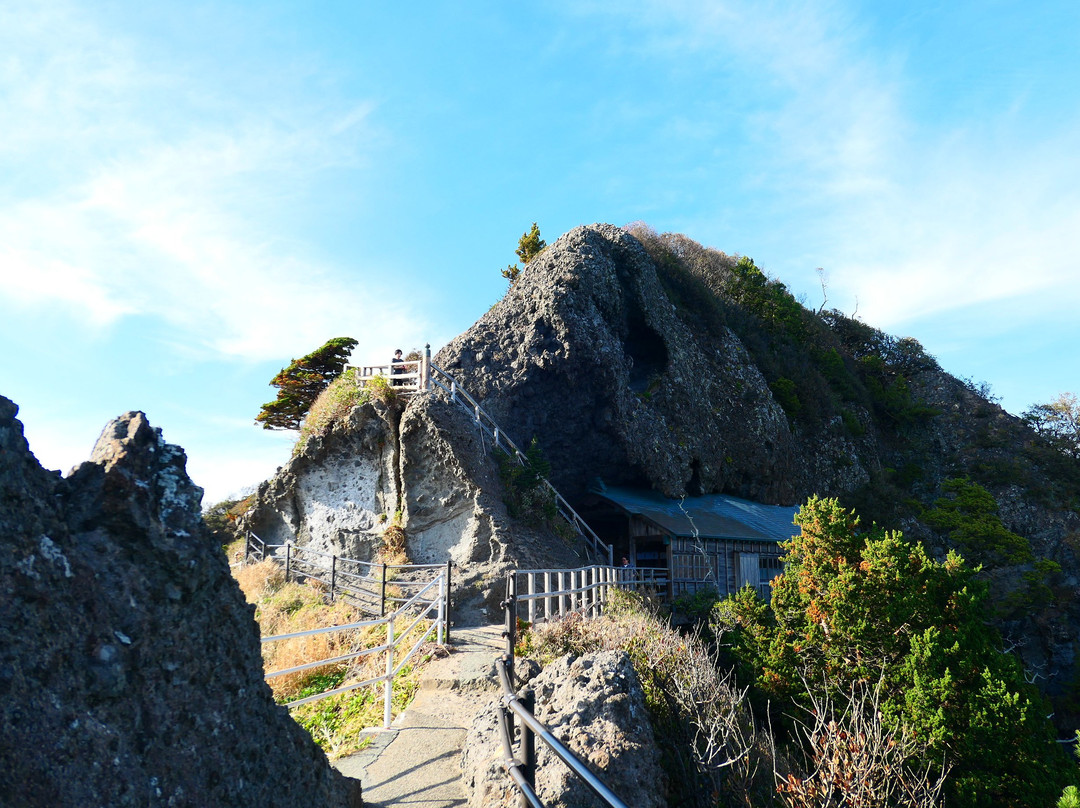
point(336, 722)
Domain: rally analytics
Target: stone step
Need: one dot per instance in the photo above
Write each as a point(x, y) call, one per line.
point(415, 763)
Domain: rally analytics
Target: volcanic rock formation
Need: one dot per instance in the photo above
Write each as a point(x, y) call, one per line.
point(130, 671)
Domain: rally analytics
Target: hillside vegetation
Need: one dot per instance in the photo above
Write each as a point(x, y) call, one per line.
point(870, 679)
point(827, 369)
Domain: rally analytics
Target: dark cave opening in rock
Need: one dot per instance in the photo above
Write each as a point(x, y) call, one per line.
point(693, 488)
point(647, 352)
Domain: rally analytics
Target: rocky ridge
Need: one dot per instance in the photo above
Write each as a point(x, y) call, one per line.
point(130, 674)
point(614, 361)
point(597, 351)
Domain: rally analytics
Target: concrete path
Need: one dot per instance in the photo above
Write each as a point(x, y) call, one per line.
point(415, 762)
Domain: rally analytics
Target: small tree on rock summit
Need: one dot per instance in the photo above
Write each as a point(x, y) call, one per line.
point(529, 246)
point(301, 382)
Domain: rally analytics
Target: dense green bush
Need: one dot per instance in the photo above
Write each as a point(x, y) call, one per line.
point(857, 606)
point(968, 514)
point(813, 361)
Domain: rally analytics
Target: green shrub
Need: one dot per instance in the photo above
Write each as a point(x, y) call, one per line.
point(786, 396)
point(332, 406)
point(525, 493)
point(870, 606)
point(968, 514)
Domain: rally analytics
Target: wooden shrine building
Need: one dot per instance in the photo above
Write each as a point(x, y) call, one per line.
point(714, 541)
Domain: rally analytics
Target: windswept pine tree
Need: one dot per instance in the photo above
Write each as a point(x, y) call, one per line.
point(301, 382)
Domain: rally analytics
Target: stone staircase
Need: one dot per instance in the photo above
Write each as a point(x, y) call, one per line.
point(415, 762)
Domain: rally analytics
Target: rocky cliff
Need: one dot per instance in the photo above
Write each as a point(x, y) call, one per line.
point(130, 671)
point(655, 362)
point(647, 360)
point(587, 353)
point(426, 462)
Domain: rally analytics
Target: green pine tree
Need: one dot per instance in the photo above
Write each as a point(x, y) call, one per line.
point(529, 246)
point(301, 382)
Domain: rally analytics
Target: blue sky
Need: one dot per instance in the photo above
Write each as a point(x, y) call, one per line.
point(193, 194)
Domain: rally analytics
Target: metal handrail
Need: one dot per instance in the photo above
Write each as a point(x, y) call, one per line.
point(499, 437)
point(522, 768)
point(365, 598)
point(437, 602)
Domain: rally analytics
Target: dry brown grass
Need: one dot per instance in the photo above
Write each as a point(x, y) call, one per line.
point(287, 608)
point(392, 550)
point(337, 723)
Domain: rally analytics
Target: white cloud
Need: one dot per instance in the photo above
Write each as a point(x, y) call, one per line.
point(910, 216)
point(156, 197)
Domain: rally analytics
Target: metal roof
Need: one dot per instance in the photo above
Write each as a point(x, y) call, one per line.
point(713, 516)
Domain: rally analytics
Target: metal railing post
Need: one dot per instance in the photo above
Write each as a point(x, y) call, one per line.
point(446, 623)
point(527, 744)
point(382, 593)
point(247, 546)
point(441, 614)
point(288, 560)
point(333, 576)
point(426, 375)
point(532, 600)
point(562, 597)
point(388, 687)
point(510, 619)
point(547, 596)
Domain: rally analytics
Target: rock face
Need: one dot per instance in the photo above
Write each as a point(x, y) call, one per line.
point(130, 672)
point(618, 378)
point(595, 705)
point(587, 353)
point(616, 366)
point(426, 461)
point(338, 494)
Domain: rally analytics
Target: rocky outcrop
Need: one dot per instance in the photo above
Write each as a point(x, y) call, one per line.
point(637, 370)
point(595, 705)
point(427, 462)
point(130, 672)
point(587, 353)
point(338, 494)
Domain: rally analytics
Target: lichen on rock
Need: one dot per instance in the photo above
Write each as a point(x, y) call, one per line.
point(130, 672)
